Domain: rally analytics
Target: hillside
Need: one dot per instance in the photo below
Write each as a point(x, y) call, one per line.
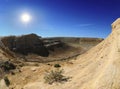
point(85, 43)
point(98, 68)
point(34, 48)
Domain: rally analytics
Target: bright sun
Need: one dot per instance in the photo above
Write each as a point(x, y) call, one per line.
point(25, 17)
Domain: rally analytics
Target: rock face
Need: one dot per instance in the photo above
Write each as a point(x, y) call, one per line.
point(26, 44)
point(45, 47)
point(98, 68)
point(116, 25)
point(52, 44)
point(85, 43)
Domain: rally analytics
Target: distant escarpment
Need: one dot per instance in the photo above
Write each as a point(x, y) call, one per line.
point(85, 43)
point(56, 48)
point(26, 44)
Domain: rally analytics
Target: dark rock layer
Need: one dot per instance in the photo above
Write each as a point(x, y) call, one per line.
point(26, 44)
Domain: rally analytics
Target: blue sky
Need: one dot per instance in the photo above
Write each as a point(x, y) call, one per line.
point(69, 18)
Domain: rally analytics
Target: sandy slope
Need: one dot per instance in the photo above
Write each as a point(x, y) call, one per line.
point(99, 68)
point(4, 55)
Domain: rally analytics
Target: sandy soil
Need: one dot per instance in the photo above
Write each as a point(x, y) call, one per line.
point(98, 68)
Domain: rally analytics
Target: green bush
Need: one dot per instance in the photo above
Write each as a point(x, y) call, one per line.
point(57, 65)
point(55, 76)
point(7, 82)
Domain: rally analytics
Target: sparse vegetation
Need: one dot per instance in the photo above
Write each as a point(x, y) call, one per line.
point(7, 82)
point(55, 76)
point(6, 66)
point(57, 65)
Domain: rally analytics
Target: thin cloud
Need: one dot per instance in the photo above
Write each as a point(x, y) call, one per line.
point(84, 25)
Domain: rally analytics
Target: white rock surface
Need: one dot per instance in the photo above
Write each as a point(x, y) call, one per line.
point(3, 85)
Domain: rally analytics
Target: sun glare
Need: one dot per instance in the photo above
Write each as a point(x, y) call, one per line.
point(25, 17)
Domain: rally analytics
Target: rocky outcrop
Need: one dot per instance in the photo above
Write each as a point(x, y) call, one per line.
point(85, 43)
point(57, 47)
point(26, 44)
point(51, 45)
point(116, 24)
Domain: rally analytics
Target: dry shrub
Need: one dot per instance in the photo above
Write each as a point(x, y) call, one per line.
point(7, 66)
point(55, 76)
point(7, 82)
point(57, 65)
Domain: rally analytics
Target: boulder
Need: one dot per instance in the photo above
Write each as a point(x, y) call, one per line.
point(3, 84)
